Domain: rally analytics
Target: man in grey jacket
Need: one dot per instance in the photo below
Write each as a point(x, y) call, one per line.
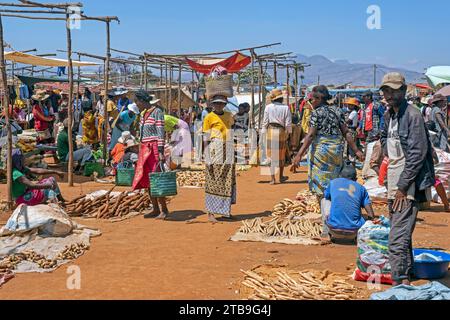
point(406, 142)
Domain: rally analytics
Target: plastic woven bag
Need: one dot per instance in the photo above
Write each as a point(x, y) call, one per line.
point(125, 176)
point(163, 184)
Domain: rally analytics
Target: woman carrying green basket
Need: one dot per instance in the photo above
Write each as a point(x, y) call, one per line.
point(151, 153)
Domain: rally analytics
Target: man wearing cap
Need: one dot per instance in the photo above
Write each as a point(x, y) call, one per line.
point(278, 125)
point(406, 143)
point(438, 117)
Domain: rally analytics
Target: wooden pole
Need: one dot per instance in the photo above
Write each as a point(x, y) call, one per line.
point(170, 88)
point(166, 92)
point(179, 91)
point(70, 109)
point(288, 86)
point(275, 73)
point(6, 103)
point(78, 84)
point(161, 75)
point(260, 84)
point(105, 115)
point(146, 75)
point(296, 92)
point(252, 86)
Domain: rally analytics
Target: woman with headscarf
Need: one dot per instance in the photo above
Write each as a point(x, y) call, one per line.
point(181, 139)
point(151, 153)
point(30, 193)
point(123, 123)
point(326, 134)
point(220, 172)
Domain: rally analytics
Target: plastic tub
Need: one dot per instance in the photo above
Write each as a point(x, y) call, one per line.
point(431, 270)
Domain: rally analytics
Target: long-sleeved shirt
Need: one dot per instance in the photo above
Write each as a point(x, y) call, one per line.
point(278, 114)
point(152, 128)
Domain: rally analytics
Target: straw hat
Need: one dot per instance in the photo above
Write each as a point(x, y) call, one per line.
point(276, 94)
point(352, 101)
point(40, 95)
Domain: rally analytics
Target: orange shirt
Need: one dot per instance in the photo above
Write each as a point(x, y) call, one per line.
point(118, 152)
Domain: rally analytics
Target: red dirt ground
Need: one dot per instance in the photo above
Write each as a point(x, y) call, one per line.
point(148, 259)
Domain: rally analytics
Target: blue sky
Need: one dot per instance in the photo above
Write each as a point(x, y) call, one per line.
point(414, 33)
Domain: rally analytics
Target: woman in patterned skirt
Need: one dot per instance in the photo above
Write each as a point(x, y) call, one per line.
point(326, 139)
point(220, 185)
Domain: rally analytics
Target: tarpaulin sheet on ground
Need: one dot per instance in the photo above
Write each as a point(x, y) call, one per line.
point(232, 64)
point(46, 230)
point(25, 58)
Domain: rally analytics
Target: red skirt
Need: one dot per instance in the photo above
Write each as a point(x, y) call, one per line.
point(147, 163)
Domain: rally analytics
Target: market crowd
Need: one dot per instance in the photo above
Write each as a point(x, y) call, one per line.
point(392, 137)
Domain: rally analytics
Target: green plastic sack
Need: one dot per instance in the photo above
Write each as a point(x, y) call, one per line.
point(91, 167)
point(163, 184)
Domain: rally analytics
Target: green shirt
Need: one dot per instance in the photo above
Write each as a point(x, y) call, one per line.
point(18, 188)
point(63, 145)
point(170, 122)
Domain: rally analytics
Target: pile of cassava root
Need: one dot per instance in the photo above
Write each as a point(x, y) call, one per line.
point(282, 227)
point(306, 285)
point(108, 207)
point(69, 253)
point(191, 179)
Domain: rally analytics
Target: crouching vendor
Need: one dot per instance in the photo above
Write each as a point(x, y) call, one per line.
point(343, 219)
point(30, 193)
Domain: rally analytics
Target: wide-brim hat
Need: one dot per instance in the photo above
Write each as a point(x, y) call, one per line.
point(154, 100)
point(438, 97)
point(126, 135)
point(40, 95)
point(276, 94)
point(352, 101)
point(219, 99)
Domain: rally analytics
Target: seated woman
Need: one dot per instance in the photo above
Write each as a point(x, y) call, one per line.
point(131, 154)
point(80, 155)
point(119, 149)
point(30, 193)
point(347, 197)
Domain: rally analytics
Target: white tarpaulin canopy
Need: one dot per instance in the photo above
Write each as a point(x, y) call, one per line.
point(25, 58)
point(438, 75)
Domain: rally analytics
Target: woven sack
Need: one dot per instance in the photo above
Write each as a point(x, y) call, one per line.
point(219, 86)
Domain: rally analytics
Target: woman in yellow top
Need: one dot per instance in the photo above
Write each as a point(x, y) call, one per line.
point(220, 174)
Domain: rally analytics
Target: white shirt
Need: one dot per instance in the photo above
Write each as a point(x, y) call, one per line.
point(353, 117)
point(279, 114)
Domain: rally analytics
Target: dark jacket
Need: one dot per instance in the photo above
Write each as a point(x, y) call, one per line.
point(416, 145)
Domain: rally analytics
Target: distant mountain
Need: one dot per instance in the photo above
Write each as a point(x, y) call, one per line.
point(341, 72)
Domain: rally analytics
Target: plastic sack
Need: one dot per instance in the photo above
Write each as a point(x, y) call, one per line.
point(47, 219)
point(373, 251)
point(358, 275)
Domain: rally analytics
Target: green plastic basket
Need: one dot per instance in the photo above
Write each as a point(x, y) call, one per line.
point(125, 177)
point(163, 184)
point(91, 167)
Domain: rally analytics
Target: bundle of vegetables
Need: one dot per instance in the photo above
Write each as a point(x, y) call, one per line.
point(282, 227)
point(107, 206)
point(69, 253)
point(191, 179)
point(295, 208)
point(306, 285)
